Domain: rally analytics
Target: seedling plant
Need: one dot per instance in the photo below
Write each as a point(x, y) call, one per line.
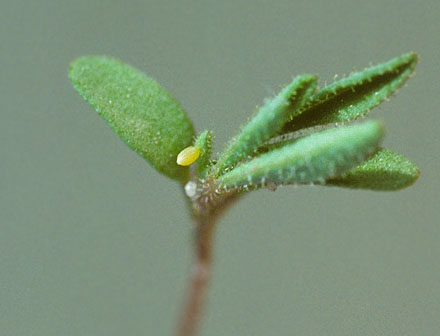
point(304, 135)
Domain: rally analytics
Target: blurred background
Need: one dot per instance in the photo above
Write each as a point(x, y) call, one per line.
point(94, 242)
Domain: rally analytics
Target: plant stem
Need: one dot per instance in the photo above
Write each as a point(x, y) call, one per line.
point(199, 278)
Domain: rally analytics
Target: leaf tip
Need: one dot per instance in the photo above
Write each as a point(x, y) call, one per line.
point(413, 57)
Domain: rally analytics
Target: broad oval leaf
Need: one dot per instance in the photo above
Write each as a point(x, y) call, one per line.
point(353, 96)
point(311, 159)
point(385, 170)
point(146, 117)
point(267, 122)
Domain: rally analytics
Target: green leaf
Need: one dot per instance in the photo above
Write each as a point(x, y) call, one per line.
point(385, 170)
point(146, 117)
point(352, 97)
point(204, 142)
point(311, 159)
point(267, 122)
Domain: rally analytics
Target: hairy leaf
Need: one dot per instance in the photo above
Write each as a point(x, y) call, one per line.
point(311, 159)
point(204, 142)
point(353, 96)
point(267, 122)
point(141, 112)
point(385, 170)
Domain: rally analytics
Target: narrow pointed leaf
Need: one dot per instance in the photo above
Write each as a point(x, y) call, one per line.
point(385, 170)
point(353, 96)
point(146, 117)
point(288, 138)
point(311, 159)
point(204, 142)
point(268, 121)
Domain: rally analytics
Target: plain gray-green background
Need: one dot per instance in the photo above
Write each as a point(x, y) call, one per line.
point(95, 242)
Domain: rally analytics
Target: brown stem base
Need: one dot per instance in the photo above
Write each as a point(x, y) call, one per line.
point(200, 274)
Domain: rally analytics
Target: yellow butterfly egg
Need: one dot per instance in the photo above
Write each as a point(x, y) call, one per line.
point(188, 156)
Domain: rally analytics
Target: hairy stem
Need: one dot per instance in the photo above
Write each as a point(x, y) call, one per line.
point(199, 278)
point(206, 208)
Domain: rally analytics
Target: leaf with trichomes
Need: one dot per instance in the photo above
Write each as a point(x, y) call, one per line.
point(385, 170)
point(311, 159)
point(204, 142)
point(146, 117)
point(353, 96)
point(267, 122)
